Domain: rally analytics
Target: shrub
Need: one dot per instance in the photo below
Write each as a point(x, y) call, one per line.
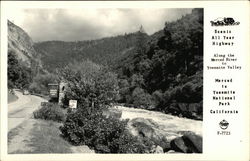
point(104, 135)
point(142, 99)
point(158, 98)
point(50, 111)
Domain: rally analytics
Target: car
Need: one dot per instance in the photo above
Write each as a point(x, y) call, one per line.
point(26, 92)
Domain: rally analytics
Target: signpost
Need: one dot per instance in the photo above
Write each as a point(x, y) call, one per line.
point(62, 86)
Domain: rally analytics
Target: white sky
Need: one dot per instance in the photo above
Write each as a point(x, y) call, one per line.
point(87, 24)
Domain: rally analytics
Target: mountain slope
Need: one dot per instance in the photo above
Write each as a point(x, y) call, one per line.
point(23, 61)
point(22, 45)
point(57, 54)
point(168, 75)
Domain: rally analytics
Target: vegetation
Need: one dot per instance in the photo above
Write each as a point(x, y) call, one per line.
point(57, 54)
point(23, 61)
point(162, 71)
point(46, 138)
point(95, 88)
point(23, 77)
point(90, 84)
point(159, 72)
point(165, 72)
point(39, 136)
point(40, 83)
point(19, 76)
point(50, 111)
point(104, 135)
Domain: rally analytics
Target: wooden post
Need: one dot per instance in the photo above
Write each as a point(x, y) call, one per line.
point(62, 87)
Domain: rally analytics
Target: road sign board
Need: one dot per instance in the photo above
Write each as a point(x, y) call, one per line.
point(72, 103)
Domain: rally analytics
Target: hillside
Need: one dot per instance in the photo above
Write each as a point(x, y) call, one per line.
point(163, 71)
point(22, 45)
point(23, 61)
point(56, 54)
point(166, 71)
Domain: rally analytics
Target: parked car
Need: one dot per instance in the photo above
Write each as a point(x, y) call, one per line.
point(26, 92)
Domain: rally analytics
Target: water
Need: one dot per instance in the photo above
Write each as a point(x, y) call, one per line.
point(165, 122)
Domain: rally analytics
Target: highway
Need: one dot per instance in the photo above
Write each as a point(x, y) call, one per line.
point(22, 109)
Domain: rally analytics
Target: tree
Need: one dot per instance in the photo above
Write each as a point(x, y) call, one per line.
point(92, 85)
point(168, 65)
point(142, 29)
point(13, 70)
point(141, 40)
point(40, 83)
point(19, 76)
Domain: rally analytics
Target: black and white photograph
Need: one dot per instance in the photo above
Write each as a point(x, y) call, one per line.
point(105, 80)
point(124, 80)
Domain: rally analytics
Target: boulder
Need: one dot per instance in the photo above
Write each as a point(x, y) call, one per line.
point(186, 133)
point(181, 141)
point(194, 142)
point(165, 144)
point(147, 128)
point(157, 149)
point(142, 127)
point(178, 145)
point(188, 143)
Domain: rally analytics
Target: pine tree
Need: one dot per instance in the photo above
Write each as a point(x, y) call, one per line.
point(142, 30)
point(141, 40)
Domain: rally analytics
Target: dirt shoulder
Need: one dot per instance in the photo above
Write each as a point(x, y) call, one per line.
point(40, 136)
point(22, 109)
point(12, 97)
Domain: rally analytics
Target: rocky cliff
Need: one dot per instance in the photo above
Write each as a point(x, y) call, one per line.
point(22, 45)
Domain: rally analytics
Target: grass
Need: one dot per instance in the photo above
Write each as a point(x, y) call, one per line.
point(46, 138)
point(14, 132)
point(36, 136)
point(12, 97)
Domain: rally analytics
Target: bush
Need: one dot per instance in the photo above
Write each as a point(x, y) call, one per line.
point(50, 111)
point(104, 135)
point(158, 98)
point(142, 99)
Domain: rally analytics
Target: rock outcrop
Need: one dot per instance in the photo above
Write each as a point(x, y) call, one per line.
point(165, 141)
point(188, 143)
point(22, 45)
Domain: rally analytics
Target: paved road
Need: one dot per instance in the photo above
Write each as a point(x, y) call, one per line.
point(22, 109)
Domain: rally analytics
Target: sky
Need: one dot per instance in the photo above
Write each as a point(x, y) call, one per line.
point(91, 23)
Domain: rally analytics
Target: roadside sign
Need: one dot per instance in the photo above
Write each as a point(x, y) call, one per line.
point(53, 90)
point(72, 103)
